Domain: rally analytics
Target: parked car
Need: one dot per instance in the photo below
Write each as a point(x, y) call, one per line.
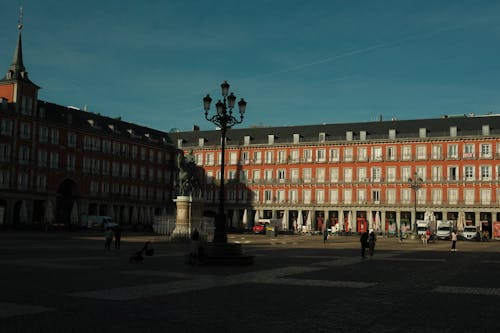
point(259, 228)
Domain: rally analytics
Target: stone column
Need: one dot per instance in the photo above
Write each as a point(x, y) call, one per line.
point(182, 217)
point(383, 222)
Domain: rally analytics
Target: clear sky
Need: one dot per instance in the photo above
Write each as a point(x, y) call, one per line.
point(295, 62)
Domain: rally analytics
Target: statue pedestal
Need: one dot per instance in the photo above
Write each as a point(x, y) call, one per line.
point(183, 217)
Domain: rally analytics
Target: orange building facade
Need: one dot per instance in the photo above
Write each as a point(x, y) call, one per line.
point(358, 175)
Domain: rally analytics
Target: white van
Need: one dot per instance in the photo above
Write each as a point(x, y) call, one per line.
point(100, 222)
point(469, 233)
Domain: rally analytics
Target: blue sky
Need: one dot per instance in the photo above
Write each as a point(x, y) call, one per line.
point(295, 62)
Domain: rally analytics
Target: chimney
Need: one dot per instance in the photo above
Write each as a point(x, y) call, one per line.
point(196, 128)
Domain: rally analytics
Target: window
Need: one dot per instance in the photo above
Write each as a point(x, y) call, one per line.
point(391, 196)
point(421, 172)
point(348, 154)
point(281, 175)
point(294, 156)
point(231, 174)
point(469, 172)
point(54, 160)
point(245, 157)
point(453, 131)
point(307, 155)
point(210, 159)
point(294, 175)
point(321, 137)
point(306, 175)
point(377, 153)
point(392, 133)
point(257, 157)
point(6, 127)
point(376, 174)
point(106, 147)
point(405, 173)
point(452, 151)
point(71, 140)
point(485, 172)
point(362, 135)
point(115, 169)
point(294, 196)
point(436, 196)
point(105, 167)
point(334, 175)
point(246, 140)
point(406, 152)
point(485, 150)
point(334, 155)
point(233, 158)
point(280, 196)
point(347, 196)
point(243, 175)
point(362, 154)
point(391, 174)
point(4, 152)
point(421, 152)
point(306, 196)
point(376, 196)
point(321, 155)
point(270, 139)
point(452, 173)
point(422, 132)
point(347, 175)
point(25, 131)
point(362, 175)
point(135, 151)
point(334, 196)
point(320, 175)
point(391, 153)
point(453, 196)
point(436, 152)
point(486, 129)
point(268, 175)
point(41, 182)
point(24, 155)
point(437, 173)
point(70, 162)
point(22, 181)
point(268, 196)
point(282, 156)
point(296, 138)
point(405, 195)
point(42, 158)
point(468, 151)
point(4, 179)
point(485, 194)
point(469, 196)
point(320, 196)
point(54, 136)
point(43, 134)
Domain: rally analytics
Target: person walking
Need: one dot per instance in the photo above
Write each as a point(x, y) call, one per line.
point(118, 236)
point(108, 235)
point(372, 238)
point(364, 243)
point(325, 234)
point(453, 241)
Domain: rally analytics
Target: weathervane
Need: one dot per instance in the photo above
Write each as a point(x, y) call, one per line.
point(20, 19)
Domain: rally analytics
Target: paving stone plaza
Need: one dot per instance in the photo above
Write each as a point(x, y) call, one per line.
point(67, 282)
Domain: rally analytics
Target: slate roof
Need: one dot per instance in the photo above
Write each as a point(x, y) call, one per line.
point(376, 130)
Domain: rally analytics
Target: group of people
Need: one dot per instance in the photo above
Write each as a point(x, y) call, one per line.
point(111, 233)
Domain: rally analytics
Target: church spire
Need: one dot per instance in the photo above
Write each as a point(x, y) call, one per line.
point(17, 71)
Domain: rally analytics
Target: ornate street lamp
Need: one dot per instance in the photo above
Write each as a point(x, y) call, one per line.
point(415, 185)
point(224, 119)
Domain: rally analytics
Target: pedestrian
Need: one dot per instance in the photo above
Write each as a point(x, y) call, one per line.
point(364, 243)
point(372, 238)
point(325, 235)
point(108, 235)
point(453, 241)
point(118, 236)
point(427, 236)
point(400, 236)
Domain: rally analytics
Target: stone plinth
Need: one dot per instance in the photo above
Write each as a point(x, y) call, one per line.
point(183, 217)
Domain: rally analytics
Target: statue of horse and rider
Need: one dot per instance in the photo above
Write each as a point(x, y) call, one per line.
point(187, 181)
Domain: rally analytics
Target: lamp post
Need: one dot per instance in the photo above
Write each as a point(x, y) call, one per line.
point(415, 185)
point(224, 119)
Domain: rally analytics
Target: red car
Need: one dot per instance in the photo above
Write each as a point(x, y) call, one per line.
point(259, 228)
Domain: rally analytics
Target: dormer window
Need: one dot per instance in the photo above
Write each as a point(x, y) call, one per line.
point(486, 129)
point(422, 132)
point(91, 122)
point(322, 137)
point(270, 139)
point(453, 131)
point(179, 143)
point(201, 142)
point(349, 135)
point(246, 140)
point(112, 127)
point(296, 138)
point(362, 135)
point(392, 133)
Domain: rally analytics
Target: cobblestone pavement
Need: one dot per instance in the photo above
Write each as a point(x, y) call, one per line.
point(67, 282)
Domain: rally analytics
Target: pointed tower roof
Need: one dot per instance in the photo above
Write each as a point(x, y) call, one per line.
point(17, 71)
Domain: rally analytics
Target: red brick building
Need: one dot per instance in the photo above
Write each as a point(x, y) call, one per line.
point(357, 173)
point(59, 164)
